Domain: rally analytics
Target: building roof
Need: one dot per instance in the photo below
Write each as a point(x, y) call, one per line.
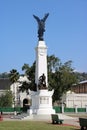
point(4, 83)
point(82, 82)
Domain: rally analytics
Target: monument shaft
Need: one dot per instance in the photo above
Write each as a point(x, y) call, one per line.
point(41, 61)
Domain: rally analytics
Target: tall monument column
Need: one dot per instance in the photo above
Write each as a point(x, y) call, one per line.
point(41, 61)
point(42, 98)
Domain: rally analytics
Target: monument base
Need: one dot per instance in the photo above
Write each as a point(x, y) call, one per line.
point(45, 111)
point(41, 103)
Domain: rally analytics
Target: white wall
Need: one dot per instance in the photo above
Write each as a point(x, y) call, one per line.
point(22, 95)
point(73, 99)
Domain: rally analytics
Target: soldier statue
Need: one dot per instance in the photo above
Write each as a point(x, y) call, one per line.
point(42, 82)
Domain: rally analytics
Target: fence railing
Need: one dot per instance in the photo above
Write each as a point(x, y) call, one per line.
point(56, 108)
point(70, 110)
point(10, 109)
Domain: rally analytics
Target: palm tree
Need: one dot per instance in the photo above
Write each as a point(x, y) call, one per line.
point(14, 76)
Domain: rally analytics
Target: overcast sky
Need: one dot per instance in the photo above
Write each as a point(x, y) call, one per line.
point(65, 35)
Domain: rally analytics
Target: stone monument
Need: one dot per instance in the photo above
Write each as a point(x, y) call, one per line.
point(42, 98)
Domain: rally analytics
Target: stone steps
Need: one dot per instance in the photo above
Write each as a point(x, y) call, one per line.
point(23, 115)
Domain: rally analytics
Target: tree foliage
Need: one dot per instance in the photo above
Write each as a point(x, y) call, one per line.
point(60, 76)
point(81, 76)
point(30, 72)
point(62, 80)
point(14, 75)
point(6, 99)
point(53, 63)
point(4, 75)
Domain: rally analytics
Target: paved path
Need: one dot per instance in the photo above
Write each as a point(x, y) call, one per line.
point(69, 120)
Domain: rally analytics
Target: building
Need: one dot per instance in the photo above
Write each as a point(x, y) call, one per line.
point(77, 97)
point(80, 88)
point(4, 85)
point(19, 98)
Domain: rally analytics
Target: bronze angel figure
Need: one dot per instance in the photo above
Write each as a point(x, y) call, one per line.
point(41, 25)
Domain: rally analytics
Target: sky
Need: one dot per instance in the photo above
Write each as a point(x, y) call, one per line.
point(65, 35)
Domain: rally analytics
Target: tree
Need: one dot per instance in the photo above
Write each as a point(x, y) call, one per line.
point(24, 87)
point(6, 99)
point(60, 76)
point(81, 76)
point(30, 73)
point(14, 76)
point(53, 63)
point(62, 80)
point(4, 75)
point(26, 69)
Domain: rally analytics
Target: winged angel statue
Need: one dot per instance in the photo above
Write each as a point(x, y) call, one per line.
point(41, 25)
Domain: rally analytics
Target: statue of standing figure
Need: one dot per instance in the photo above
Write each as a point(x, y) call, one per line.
point(41, 25)
point(42, 82)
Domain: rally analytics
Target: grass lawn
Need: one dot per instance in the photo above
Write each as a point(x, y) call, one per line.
point(32, 125)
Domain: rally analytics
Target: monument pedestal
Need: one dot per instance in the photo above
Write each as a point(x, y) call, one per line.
point(42, 103)
point(42, 98)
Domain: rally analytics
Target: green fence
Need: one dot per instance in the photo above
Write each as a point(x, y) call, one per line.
point(70, 110)
point(57, 109)
point(81, 109)
point(10, 109)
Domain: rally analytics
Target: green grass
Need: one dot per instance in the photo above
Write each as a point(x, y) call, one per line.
point(31, 125)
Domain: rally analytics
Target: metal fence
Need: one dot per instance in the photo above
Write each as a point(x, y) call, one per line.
point(70, 110)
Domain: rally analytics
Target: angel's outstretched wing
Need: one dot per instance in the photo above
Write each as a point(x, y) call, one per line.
point(45, 17)
point(37, 18)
